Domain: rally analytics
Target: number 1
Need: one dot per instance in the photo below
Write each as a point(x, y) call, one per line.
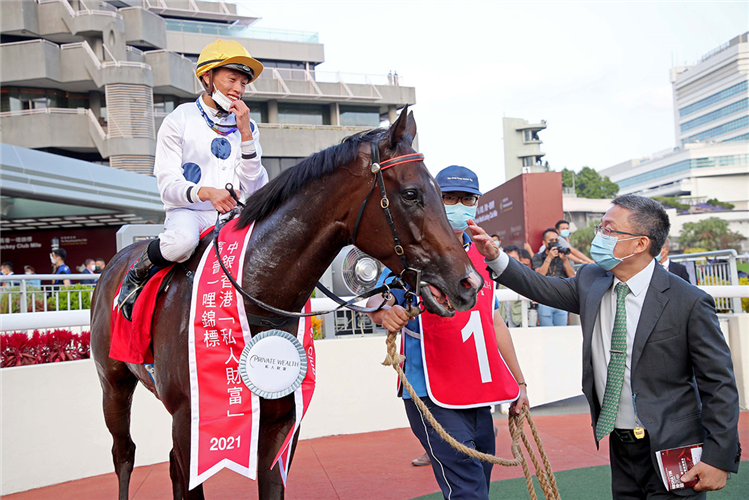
point(474, 327)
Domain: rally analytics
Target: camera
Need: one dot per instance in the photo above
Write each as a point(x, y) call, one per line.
point(562, 250)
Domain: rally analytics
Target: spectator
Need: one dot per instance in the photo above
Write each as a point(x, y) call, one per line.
point(563, 230)
point(7, 269)
point(31, 270)
point(511, 312)
point(58, 257)
point(100, 265)
point(90, 268)
point(552, 262)
point(526, 258)
point(497, 240)
point(673, 267)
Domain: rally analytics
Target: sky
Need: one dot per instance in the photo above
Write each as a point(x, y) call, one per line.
point(597, 72)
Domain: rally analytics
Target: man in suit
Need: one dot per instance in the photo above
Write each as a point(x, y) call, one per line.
point(657, 372)
point(671, 266)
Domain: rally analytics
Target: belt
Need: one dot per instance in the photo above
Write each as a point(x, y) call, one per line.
point(628, 436)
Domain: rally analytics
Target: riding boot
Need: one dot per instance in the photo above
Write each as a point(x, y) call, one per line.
point(138, 275)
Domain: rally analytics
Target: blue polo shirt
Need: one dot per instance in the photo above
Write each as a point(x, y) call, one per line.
point(414, 365)
point(63, 269)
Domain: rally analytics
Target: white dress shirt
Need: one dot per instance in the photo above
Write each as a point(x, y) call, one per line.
point(601, 342)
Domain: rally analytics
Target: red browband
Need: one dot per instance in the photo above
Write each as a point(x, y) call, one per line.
point(398, 160)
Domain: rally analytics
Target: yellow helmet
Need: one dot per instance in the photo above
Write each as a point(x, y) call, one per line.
point(223, 53)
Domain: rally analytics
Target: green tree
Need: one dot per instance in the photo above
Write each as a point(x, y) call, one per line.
point(589, 183)
point(671, 202)
point(582, 238)
point(711, 233)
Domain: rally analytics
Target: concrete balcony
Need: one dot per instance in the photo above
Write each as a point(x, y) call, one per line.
point(172, 73)
point(59, 22)
point(144, 28)
point(19, 17)
point(73, 67)
point(69, 129)
point(299, 140)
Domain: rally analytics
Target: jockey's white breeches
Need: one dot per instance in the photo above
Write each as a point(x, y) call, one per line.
point(182, 229)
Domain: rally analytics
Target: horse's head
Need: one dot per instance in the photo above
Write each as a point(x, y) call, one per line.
point(448, 280)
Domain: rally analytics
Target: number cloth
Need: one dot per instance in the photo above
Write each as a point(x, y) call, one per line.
point(462, 364)
point(615, 376)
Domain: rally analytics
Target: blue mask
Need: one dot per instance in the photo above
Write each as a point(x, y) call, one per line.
point(659, 256)
point(458, 215)
point(564, 233)
point(602, 251)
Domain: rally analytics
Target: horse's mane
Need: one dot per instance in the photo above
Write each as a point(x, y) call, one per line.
point(271, 196)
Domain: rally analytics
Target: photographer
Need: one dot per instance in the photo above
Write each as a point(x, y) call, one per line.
point(552, 261)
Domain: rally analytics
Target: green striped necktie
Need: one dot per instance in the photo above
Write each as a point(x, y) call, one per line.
point(617, 362)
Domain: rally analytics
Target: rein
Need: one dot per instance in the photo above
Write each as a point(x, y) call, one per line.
point(288, 317)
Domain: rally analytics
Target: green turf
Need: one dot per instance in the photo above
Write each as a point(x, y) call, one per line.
point(593, 483)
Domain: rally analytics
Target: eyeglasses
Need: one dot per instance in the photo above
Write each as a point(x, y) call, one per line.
point(605, 231)
point(469, 201)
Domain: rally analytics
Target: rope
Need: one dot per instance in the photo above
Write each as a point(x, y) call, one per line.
point(545, 475)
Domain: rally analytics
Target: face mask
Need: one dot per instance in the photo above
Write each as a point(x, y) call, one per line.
point(602, 251)
point(496, 243)
point(223, 102)
point(659, 256)
point(52, 258)
point(565, 233)
point(458, 215)
point(97, 269)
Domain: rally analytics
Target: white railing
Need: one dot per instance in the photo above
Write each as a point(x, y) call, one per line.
point(70, 318)
point(44, 111)
point(19, 296)
point(713, 268)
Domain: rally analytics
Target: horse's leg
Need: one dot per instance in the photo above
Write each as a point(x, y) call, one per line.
point(174, 474)
point(272, 434)
point(179, 458)
point(118, 385)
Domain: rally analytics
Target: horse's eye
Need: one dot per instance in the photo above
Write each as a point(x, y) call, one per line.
point(410, 195)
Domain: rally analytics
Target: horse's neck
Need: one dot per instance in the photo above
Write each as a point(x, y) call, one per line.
point(292, 248)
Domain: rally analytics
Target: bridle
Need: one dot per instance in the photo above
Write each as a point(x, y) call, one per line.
point(288, 317)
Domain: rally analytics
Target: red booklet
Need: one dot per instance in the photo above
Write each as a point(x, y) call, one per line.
point(675, 462)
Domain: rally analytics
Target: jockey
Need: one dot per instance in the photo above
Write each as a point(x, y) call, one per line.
point(202, 146)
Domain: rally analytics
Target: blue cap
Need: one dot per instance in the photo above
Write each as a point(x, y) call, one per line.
point(456, 178)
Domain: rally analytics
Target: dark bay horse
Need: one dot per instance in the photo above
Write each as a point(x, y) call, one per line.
point(302, 219)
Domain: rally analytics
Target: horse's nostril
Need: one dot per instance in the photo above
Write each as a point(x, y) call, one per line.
point(473, 280)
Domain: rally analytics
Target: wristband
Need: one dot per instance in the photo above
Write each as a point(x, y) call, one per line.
point(248, 150)
point(523, 383)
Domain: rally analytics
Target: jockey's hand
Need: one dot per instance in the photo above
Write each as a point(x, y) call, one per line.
point(219, 198)
point(242, 112)
point(484, 243)
point(395, 319)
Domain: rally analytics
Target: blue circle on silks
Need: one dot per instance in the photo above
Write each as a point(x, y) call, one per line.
point(192, 172)
point(221, 148)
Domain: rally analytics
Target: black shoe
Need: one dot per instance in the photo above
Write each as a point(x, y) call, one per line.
point(133, 284)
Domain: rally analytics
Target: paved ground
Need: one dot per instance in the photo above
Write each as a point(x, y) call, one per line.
point(363, 466)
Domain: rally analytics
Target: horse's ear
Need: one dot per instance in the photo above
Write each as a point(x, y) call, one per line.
point(411, 127)
point(398, 128)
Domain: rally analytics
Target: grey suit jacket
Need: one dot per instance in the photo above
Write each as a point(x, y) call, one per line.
point(682, 374)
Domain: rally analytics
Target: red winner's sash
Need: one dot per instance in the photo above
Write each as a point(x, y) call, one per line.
point(462, 364)
point(225, 413)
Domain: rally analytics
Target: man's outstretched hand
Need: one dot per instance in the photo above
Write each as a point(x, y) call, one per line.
point(484, 243)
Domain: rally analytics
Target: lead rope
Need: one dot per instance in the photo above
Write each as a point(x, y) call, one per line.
point(545, 475)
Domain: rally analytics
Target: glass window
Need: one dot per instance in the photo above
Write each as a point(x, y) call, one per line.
point(258, 111)
point(303, 114)
point(719, 130)
point(361, 116)
point(717, 97)
point(716, 115)
point(528, 161)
